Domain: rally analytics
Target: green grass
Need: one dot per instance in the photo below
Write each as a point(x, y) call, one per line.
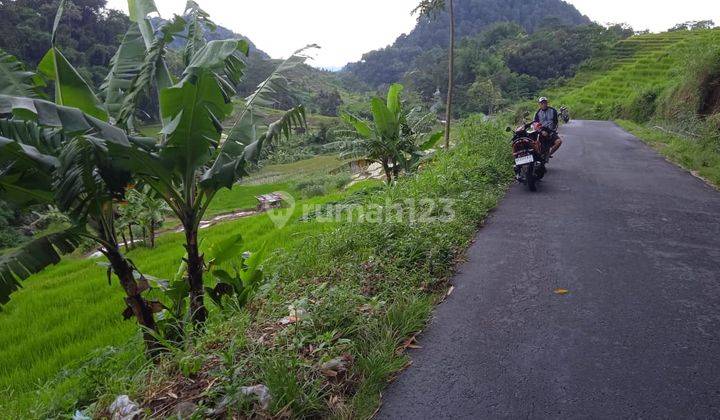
point(269, 179)
point(365, 286)
point(694, 155)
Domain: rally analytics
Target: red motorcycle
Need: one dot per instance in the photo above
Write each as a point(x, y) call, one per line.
point(530, 154)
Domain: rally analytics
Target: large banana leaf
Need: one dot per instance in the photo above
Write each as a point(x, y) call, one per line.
point(26, 177)
point(197, 105)
point(393, 100)
point(124, 67)
point(139, 11)
point(151, 63)
point(71, 121)
point(243, 143)
point(89, 178)
point(33, 257)
point(385, 121)
point(25, 174)
point(46, 140)
point(70, 88)
point(197, 20)
point(16, 80)
point(230, 164)
point(361, 127)
point(89, 166)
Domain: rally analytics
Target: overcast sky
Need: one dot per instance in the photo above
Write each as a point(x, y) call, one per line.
point(345, 29)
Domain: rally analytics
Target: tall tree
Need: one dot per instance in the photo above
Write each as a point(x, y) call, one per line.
point(430, 8)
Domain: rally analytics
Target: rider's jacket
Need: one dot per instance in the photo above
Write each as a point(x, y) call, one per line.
point(548, 118)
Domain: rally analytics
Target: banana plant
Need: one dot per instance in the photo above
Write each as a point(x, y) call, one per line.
point(391, 139)
point(58, 154)
point(147, 209)
point(191, 161)
point(238, 274)
point(194, 159)
point(70, 87)
point(15, 79)
point(83, 179)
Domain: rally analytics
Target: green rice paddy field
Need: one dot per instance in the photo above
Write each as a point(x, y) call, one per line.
point(639, 63)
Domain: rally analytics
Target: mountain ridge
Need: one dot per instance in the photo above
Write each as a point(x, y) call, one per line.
point(387, 65)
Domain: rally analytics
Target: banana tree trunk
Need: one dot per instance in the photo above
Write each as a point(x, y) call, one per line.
point(195, 267)
point(388, 171)
point(152, 234)
point(132, 238)
point(140, 308)
point(124, 238)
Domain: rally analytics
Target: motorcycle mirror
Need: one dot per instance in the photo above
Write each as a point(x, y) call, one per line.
point(508, 129)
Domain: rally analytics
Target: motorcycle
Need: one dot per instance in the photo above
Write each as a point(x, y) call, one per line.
point(530, 154)
point(564, 114)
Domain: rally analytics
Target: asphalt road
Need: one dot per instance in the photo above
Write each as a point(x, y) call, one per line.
point(636, 241)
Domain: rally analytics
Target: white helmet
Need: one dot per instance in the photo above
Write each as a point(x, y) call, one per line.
point(542, 99)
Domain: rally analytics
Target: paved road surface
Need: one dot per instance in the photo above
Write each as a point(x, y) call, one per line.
point(636, 240)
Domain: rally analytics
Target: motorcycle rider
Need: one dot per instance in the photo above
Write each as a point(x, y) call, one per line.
point(548, 117)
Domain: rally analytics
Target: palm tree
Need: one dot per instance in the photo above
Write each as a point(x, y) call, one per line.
point(428, 8)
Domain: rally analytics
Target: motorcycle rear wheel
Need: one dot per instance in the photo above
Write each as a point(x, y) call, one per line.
point(530, 177)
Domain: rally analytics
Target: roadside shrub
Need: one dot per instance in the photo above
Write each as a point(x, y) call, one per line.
point(641, 107)
point(525, 110)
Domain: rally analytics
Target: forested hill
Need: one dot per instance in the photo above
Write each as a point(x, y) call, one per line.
point(89, 33)
point(472, 16)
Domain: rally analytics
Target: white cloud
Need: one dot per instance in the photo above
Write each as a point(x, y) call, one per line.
point(346, 29)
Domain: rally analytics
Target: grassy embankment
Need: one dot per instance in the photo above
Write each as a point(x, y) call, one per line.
point(664, 88)
point(363, 287)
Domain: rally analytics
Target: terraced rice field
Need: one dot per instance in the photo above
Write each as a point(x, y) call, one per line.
point(651, 61)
